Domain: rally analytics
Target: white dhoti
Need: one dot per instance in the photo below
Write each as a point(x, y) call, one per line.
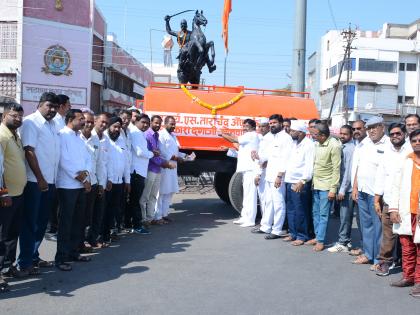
point(162, 205)
point(249, 202)
point(275, 210)
point(261, 189)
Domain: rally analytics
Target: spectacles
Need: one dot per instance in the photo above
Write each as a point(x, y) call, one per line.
point(415, 140)
point(395, 134)
point(373, 127)
point(358, 128)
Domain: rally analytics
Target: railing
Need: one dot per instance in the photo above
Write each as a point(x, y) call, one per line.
point(231, 89)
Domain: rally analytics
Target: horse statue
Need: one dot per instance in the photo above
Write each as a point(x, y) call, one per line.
point(195, 53)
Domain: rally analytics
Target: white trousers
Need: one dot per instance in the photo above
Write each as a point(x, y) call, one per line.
point(249, 201)
point(149, 197)
point(162, 205)
point(275, 211)
point(261, 189)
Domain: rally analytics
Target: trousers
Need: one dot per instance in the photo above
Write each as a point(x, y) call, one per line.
point(162, 205)
point(112, 208)
point(275, 211)
point(149, 196)
point(36, 211)
point(320, 213)
point(346, 219)
point(389, 250)
point(71, 219)
point(10, 221)
point(134, 210)
point(371, 226)
point(95, 228)
point(261, 190)
point(411, 254)
point(298, 207)
point(249, 200)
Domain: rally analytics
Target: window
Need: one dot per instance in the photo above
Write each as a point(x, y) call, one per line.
point(8, 40)
point(409, 99)
point(402, 66)
point(400, 99)
point(377, 65)
point(348, 65)
point(333, 71)
point(411, 67)
point(8, 84)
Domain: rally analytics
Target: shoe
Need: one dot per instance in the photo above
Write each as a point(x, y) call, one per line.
point(10, 272)
point(51, 237)
point(402, 283)
point(284, 233)
point(4, 286)
point(141, 231)
point(247, 225)
point(415, 292)
point(257, 231)
point(395, 264)
point(383, 269)
point(338, 248)
point(271, 236)
point(26, 272)
point(239, 221)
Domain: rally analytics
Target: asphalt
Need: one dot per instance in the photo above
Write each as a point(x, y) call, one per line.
point(204, 264)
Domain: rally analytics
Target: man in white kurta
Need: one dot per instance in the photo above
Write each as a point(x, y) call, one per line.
point(279, 150)
point(248, 142)
point(169, 150)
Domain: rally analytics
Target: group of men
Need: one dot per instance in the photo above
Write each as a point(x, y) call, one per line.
point(300, 173)
point(84, 176)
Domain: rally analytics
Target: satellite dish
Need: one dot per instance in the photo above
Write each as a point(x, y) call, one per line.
point(369, 106)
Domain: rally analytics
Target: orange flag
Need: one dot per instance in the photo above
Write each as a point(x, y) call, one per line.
point(225, 22)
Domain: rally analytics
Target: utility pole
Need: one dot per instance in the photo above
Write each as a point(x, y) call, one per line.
point(348, 37)
point(299, 47)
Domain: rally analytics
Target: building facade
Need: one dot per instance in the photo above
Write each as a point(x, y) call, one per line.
point(383, 73)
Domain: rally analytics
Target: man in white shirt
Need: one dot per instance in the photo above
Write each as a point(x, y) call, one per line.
point(95, 231)
point(248, 142)
point(73, 182)
point(42, 152)
point(135, 116)
point(97, 176)
point(118, 176)
point(298, 179)
point(393, 157)
point(365, 163)
point(265, 139)
point(279, 150)
point(140, 162)
point(169, 150)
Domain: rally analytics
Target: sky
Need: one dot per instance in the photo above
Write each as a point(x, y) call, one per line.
point(260, 32)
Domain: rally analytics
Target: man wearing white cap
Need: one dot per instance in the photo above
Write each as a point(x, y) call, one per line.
point(298, 179)
point(363, 193)
point(265, 139)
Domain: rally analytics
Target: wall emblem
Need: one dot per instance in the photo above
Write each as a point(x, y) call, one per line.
point(58, 5)
point(57, 61)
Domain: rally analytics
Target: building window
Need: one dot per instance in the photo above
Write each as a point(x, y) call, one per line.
point(411, 67)
point(8, 84)
point(409, 99)
point(326, 74)
point(8, 40)
point(348, 96)
point(348, 64)
point(377, 65)
point(97, 54)
point(333, 71)
point(400, 99)
point(402, 66)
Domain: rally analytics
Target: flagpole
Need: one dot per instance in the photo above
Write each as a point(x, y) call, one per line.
point(224, 71)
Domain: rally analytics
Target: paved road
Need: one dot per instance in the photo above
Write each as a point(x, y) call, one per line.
point(203, 264)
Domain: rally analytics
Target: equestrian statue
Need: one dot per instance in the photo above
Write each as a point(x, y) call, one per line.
point(193, 49)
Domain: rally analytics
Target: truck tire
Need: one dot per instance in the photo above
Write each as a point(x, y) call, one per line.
point(236, 191)
point(221, 185)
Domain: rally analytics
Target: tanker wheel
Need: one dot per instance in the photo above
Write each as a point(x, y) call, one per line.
point(236, 191)
point(221, 185)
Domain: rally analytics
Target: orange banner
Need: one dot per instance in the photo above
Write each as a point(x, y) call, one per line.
point(225, 22)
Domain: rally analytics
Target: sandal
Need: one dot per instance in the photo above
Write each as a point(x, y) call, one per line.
point(64, 266)
point(311, 242)
point(375, 267)
point(4, 286)
point(319, 247)
point(355, 252)
point(288, 239)
point(361, 260)
point(82, 258)
point(297, 243)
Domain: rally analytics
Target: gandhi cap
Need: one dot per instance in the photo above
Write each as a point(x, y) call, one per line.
point(298, 125)
point(374, 121)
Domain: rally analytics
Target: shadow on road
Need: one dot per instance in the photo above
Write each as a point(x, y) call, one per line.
point(191, 218)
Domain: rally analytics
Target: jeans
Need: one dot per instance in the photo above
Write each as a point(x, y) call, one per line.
point(297, 208)
point(36, 211)
point(321, 211)
point(134, 210)
point(346, 219)
point(10, 221)
point(71, 219)
point(371, 226)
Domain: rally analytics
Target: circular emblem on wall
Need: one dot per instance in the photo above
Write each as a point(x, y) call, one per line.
point(57, 61)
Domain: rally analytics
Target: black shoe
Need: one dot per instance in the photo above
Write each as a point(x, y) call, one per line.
point(271, 236)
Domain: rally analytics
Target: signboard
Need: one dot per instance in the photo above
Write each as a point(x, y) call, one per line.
point(33, 92)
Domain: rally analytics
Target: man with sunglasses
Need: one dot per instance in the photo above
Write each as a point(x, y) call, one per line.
point(385, 174)
point(359, 131)
point(363, 193)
